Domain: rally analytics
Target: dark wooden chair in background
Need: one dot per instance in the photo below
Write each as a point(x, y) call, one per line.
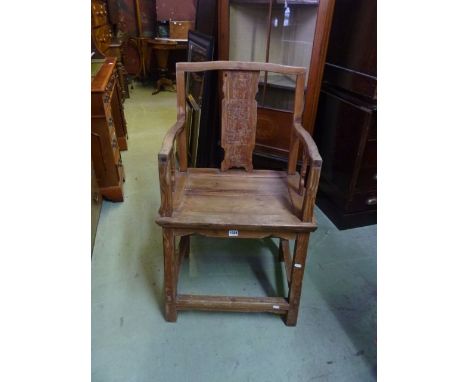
point(237, 201)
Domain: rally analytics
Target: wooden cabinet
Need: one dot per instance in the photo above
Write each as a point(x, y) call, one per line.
point(346, 128)
point(104, 43)
point(108, 131)
point(289, 33)
point(98, 13)
point(345, 135)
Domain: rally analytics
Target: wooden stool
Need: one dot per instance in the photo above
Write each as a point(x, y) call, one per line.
point(240, 202)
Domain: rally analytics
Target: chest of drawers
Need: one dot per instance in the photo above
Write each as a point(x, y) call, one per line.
point(108, 129)
point(104, 43)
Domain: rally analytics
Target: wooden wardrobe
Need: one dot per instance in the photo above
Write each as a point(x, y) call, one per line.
point(283, 32)
point(346, 127)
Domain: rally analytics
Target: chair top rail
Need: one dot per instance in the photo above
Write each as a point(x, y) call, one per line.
point(238, 65)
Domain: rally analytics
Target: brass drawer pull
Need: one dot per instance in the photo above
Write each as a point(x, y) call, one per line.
point(371, 201)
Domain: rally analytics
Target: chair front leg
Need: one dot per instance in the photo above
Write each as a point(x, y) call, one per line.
point(297, 274)
point(170, 278)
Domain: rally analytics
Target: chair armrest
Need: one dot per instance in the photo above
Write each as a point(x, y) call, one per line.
point(166, 164)
point(309, 175)
point(169, 138)
point(309, 145)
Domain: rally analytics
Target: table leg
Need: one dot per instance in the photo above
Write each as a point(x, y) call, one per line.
point(163, 83)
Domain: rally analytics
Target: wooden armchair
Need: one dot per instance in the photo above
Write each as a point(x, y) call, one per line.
point(237, 201)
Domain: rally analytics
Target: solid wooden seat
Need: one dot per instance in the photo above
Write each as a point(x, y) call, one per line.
point(261, 199)
point(237, 201)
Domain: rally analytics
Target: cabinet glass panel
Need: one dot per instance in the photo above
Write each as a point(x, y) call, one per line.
point(248, 30)
point(291, 28)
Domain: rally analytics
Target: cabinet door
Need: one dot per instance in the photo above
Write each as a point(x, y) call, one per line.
point(352, 50)
point(274, 31)
point(345, 137)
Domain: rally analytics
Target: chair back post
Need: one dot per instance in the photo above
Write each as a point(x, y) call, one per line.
point(182, 136)
point(311, 193)
point(297, 118)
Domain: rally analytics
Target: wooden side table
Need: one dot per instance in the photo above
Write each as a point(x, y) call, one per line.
point(161, 48)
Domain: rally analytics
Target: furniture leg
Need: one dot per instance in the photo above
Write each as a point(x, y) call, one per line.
point(280, 252)
point(164, 84)
point(297, 273)
point(170, 279)
point(285, 256)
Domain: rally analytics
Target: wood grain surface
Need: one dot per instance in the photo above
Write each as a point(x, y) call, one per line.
point(237, 202)
point(239, 118)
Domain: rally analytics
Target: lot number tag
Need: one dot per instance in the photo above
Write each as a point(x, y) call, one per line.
point(233, 232)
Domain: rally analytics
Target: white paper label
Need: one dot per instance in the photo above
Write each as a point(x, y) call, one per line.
point(233, 232)
point(275, 306)
point(298, 265)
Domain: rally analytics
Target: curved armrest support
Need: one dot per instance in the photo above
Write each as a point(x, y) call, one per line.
point(169, 138)
point(308, 178)
point(309, 144)
point(166, 164)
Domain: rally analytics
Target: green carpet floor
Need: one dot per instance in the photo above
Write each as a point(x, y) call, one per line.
point(334, 340)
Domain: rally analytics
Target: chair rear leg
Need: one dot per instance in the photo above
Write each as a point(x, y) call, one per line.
point(170, 279)
point(184, 246)
point(280, 252)
point(297, 274)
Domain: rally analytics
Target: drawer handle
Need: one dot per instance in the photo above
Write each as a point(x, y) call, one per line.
point(371, 201)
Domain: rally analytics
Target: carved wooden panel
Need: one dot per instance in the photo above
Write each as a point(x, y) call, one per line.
point(239, 118)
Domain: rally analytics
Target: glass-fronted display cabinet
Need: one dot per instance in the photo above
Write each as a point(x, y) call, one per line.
point(278, 32)
point(284, 32)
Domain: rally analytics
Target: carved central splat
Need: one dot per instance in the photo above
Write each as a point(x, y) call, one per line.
point(239, 118)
